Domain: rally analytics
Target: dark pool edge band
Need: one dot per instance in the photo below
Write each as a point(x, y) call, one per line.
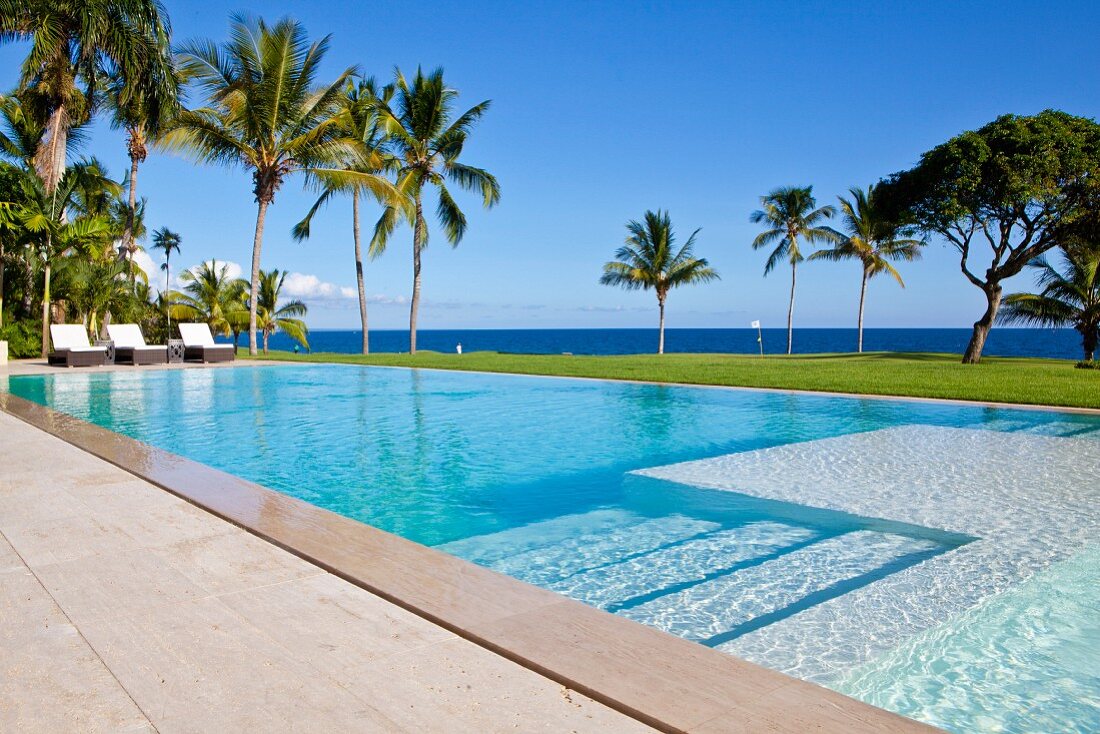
point(660, 680)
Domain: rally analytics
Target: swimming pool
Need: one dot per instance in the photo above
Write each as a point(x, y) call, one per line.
point(573, 485)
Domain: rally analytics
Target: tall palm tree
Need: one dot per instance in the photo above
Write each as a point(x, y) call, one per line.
point(211, 296)
point(167, 242)
point(650, 259)
point(873, 240)
point(265, 113)
point(1070, 297)
point(141, 105)
point(358, 118)
point(428, 144)
point(75, 44)
point(285, 317)
point(791, 213)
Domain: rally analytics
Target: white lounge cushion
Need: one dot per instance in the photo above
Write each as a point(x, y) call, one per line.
point(71, 337)
point(196, 335)
point(126, 335)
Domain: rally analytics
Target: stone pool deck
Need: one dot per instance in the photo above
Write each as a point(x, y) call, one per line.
point(129, 603)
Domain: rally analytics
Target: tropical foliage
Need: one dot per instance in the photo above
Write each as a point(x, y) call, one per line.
point(651, 259)
point(872, 240)
point(1069, 296)
point(275, 316)
point(791, 214)
point(211, 296)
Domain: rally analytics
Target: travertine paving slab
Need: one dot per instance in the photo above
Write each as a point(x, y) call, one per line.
point(50, 679)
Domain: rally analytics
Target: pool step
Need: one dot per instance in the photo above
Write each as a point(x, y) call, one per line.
point(544, 566)
point(710, 611)
point(689, 562)
point(493, 547)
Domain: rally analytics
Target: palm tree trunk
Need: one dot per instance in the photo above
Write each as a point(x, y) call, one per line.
point(46, 312)
point(790, 310)
point(1088, 341)
point(359, 269)
point(1, 284)
point(128, 232)
point(267, 334)
point(862, 297)
point(167, 305)
point(257, 246)
point(49, 159)
point(661, 328)
point(415, 306)
point(973, 354)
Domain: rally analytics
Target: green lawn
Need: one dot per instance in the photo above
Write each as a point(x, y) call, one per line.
point(1008, 380)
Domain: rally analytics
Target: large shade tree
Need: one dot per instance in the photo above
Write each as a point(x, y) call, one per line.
point(651, 259)
point(428, 142)
point(358, 118)
point(265, 112)
point(75, 46)
point(791, 214)
point(873, 240)
point(1000, 195)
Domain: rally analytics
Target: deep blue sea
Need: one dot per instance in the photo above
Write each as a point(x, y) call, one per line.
point(1061, 343)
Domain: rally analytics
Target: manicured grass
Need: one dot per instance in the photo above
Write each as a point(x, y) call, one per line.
point(1006, 380)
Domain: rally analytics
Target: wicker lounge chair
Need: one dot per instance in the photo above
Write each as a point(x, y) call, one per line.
point(199, 346)
point(130, 346)
point(71, 347)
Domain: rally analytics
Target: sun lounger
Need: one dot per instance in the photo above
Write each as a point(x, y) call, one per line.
point(198, 345)
point(71, 347)
point(130, 346)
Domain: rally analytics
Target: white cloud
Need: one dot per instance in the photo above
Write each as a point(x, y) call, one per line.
point(151, 269)
point(311, 288)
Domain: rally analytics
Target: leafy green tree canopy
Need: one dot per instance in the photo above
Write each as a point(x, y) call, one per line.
point(1001, 195)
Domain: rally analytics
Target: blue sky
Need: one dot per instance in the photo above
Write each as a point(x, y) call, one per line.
point(602, 110)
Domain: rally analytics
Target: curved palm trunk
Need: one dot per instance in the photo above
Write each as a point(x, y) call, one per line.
point(417, 240)
point(267, 335)
point(254, 293)
point(359, 270)
point(973, 354)
point(790, 310)
point(1, 284)
point(862, 298)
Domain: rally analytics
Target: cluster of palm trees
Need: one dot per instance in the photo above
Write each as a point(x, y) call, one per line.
point(261, 107)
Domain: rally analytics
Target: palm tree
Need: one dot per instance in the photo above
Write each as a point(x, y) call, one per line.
point(650, 259)
point(167, 242)
point(211, 296)
point(359, 120)
point(284, 318)
point(1070, 297)
point(873, 240)
point(428, 144)
point(790, 213)
point(74, 44)
point(55, 222)
point(97, 287)
point(141, 106)
point(265, 113)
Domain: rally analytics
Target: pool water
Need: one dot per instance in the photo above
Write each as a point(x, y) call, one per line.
point(533, 477)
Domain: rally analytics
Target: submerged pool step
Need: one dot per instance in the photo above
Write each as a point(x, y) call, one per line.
point(687, 562)
point(547, 565)
point(490, 548)
point(714, 608)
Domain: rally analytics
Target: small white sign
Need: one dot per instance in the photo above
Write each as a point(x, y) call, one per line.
point(756, 324)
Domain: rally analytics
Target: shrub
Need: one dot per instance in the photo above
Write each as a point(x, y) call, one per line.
point(1087, 364)
point(24, 338)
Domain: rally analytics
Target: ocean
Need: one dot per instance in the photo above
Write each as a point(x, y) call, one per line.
point(1059, 343)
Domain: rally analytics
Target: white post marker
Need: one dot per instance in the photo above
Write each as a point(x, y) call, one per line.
point(759, 337)
point(458, 348)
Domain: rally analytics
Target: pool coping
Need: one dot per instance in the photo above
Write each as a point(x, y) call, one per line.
point(671, 684)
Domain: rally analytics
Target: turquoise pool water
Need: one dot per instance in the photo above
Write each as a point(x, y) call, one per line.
point(531, 476)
